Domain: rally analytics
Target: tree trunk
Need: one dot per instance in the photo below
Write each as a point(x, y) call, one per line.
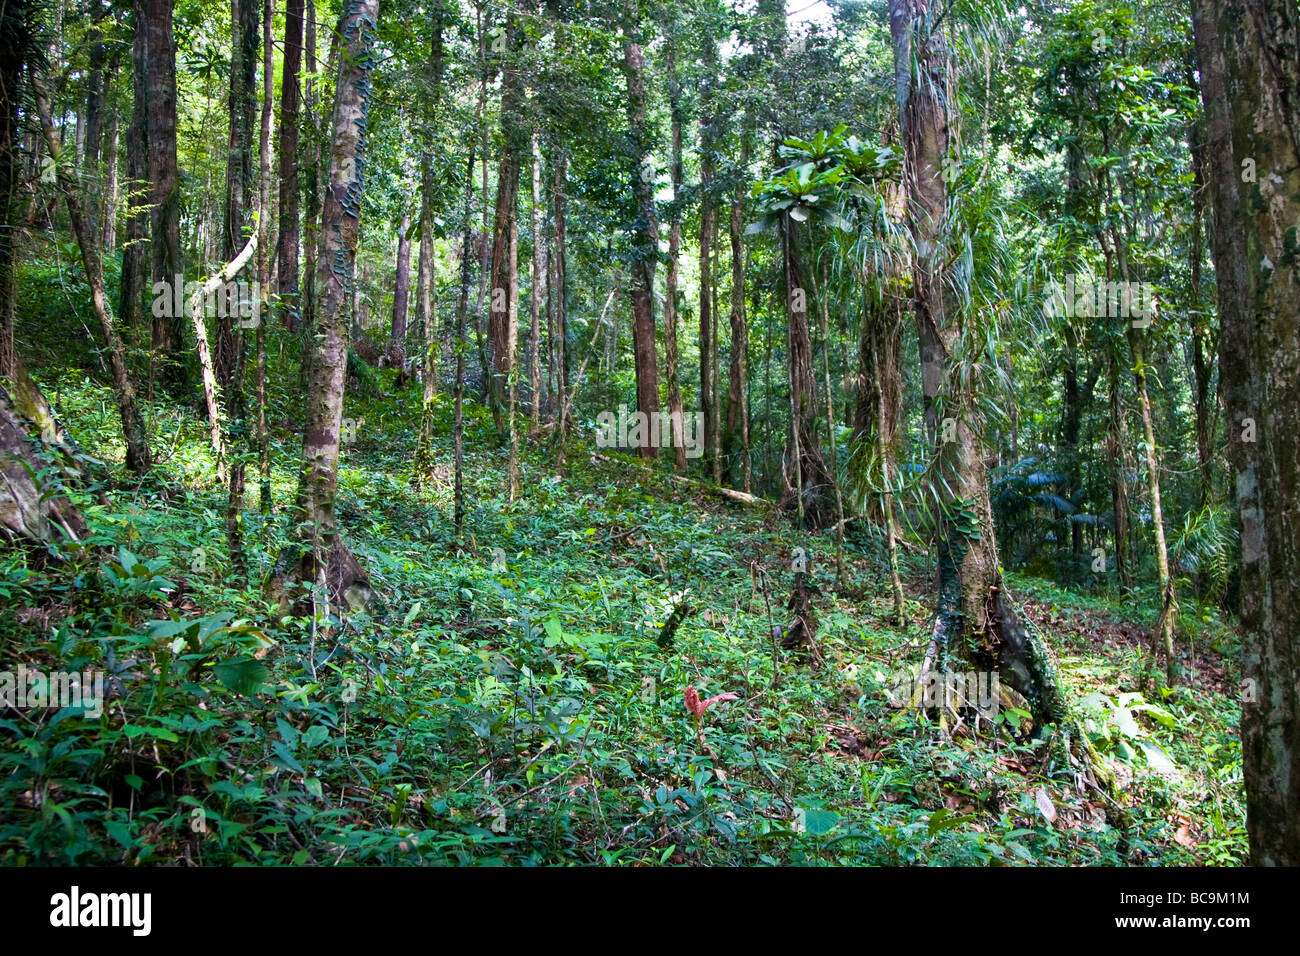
point(671, 354)
point(537, 291)
point(401, 295)
point(138, 456)
point(108, 222)
point(737, 393)
point(30, 504)
point(135, 269)
point(1250, 69)
point(503, 316)
point(558, 187)
point(264, 252)
point(311, 172)
point(645, 243)
point(287, 244)
point(878, 412)
point(159, 58)
point(15, 36)
point(336, 270)
point(1201, 333)
point(426, 282)
point(708, 234)
point(812, 479)
point(1116, 443)
point(975, 617)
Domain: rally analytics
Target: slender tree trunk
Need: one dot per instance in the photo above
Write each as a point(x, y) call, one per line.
point(138, 456)
point(737, 394)
point(671, 354)
point(462, 311)
point(311, 174)
point(512, 345)
point(1162, 635)
point(96, 81)
point(878, 410)
point(108, 223)
point(15, 36)
point(159, 59)
point(336, 270)
point(645, 243)
point(239, 197)
point(708, 234)
point(1116, 443)
point(401, 295)
point(537, 291)
point(1202, 341)
point(264, 251)
point(558, 188)
point(427, 282)
point(135, 269)
point(288, 242)
point(503, 321)
point(813, 481)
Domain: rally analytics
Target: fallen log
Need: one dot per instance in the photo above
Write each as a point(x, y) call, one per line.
point(703, 487)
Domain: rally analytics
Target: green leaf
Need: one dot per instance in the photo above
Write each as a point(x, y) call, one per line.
point(554, 632)
point(820, 822)
point(243, 675)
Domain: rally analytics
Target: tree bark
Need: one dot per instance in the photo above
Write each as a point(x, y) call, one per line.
point(401, 295)
point(737, 392)
point(503, 315)
point(672, 368)
point(336, 270)
point(15, 37)
point(138, 456)
point(287, 245)
point(135, 268)
point(645, 242)
point(708, 235)
point(558, 187)
point(1249, 57)
point(975, 617)
point(159, 58)
point(537, 291)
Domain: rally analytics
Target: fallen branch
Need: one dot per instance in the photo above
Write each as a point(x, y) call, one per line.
point(702, 486)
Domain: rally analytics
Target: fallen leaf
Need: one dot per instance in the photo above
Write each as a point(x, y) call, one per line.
point(1045, 805)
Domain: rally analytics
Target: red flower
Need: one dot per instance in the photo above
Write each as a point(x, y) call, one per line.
point(697, 707)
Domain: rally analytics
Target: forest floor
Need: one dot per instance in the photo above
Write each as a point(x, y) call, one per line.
point(508, 701)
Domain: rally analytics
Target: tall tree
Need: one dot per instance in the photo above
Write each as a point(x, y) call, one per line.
point(708, 234)
point(135, 249)
point(401, 294)
point(154, 19)
point(503, 315)
point(1248, 52)
point(336, 276)
point(240, 198)
point(287, 246)
point(974, 616)
point(139, 457)
point(737, 443)
point(16, 47)
point(645, 237)
point(538, 289)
